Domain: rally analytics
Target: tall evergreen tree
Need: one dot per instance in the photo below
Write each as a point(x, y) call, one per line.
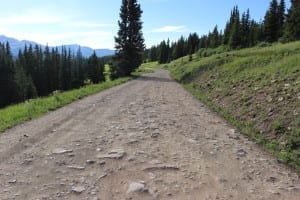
point(24, 83)
point(229, 26)
point(163, 52)
point(129, 42)
point(214, 38)
point(281, 17)
point(192, 43)
point(7, 83)
point(272, 22)
point(235, 33)
point(292, 32)
point(245, 29)
point(95, 69)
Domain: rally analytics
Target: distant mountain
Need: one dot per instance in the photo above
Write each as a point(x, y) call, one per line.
point(16, 45)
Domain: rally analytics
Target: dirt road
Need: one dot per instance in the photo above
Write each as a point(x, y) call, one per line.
point(146, 139)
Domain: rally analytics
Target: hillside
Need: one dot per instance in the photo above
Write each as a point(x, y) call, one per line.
point(256, 89)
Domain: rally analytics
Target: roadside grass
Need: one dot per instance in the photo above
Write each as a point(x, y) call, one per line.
point(19, 113)
point(146, 68)
point(257, 90)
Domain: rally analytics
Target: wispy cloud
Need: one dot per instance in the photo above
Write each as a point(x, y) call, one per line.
point(93, 39)
point(170, 29)
point(35, 17)
point(54, 28)
point(89, 25)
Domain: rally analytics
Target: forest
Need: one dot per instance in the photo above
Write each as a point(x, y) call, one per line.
point(240, 32)
point(36, 72)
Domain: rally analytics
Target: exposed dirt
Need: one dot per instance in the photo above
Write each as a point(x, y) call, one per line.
point(146, 139)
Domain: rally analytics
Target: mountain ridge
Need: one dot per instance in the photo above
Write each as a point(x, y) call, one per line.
point(17, 45)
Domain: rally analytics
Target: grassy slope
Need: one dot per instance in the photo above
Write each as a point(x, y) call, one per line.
point(19, 113)
point(256, 89)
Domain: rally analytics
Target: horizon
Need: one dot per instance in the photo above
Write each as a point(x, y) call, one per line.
point(94, 24)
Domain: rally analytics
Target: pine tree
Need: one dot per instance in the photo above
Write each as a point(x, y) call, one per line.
point(163, 52)
point(281, 17)
point(78, 75)
point(25, 87)
point(292, 31)
point(245, 29)
point(129, 42)
point(180, 48)
point(95, 69)
point(7, 83)
point(229, 26)
point(192, 43)
point(235, 33)
point(272, 22)
point(214, 38)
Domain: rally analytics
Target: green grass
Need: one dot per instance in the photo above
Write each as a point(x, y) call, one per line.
point(256, 89)
point(16, 114)
point(146, 68)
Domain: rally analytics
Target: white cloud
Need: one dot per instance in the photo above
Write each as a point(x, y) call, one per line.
point(89, 25)
point(168, 29)
point(35, 17)
point(93, 39)
point(55, 29)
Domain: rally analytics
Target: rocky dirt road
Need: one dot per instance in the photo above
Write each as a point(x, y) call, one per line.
point(146, 139)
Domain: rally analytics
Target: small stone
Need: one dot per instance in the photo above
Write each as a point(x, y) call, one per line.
point(241, 153)
point(27, 161)
point(269, 99)
point(131, 158)
point(78, 189)
point(287, 85)
point(113, 154)
point(61, 151)
point(133, 141)
point(90, 161)
point(192, 141)
point(101, 162)
point(12, 181)
point(76, 167)
point(271, 179)
point(136, 187)
point(155, 134)
point(222, 180)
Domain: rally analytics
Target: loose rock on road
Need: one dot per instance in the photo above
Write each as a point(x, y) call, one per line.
point(146, 139)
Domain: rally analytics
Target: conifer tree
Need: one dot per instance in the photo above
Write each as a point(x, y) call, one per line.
point(214, 38)
point(292, 32)
point(95, 69)
point(7, 83)
point(163, 52)
point(245, 29)
point(192, 43)
point(272, 22)
point(129, 41)
point(281, 17)
point(25, 87)
point(235, 33)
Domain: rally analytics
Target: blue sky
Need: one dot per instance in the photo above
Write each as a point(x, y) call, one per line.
point(94, 22)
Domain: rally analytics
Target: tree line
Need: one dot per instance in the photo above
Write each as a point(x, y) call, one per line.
point(240, 32)
point(39, 72)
